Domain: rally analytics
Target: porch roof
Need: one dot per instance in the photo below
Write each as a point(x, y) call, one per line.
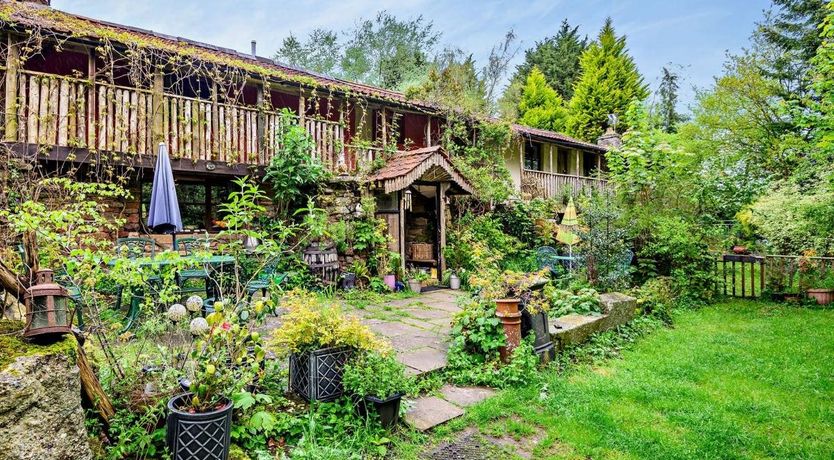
point(428, 164)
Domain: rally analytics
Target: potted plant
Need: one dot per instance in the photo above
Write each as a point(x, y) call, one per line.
point(454, 281)
point(380, 381)
point(388, 265)
point(416, 278)
point(319, 338)
point(816, 280)
point(226, 356)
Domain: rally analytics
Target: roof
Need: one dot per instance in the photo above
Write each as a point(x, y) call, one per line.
point(27, 15)
point(558, 138)
point(429, 163)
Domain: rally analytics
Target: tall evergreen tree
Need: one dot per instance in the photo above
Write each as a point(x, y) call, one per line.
point(609, 82)
point(540, 105)
point(668, 105)
point(558, 59)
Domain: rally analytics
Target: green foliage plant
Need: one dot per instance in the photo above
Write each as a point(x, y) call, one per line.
point(376, 374)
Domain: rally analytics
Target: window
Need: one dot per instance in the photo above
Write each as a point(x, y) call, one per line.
point(532, 156)
point(589, 164)
point(199, 202)
point(562, 160)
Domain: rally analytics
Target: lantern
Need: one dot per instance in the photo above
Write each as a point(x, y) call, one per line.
point(46, 307)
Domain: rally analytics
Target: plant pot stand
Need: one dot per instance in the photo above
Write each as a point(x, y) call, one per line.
point(317, 375)
point(198, 436)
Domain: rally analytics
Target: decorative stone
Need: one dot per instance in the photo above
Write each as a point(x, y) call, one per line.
point(40, 402)
point(430, 411)
point(194, 303)
point(177, 312)
point(198, 326)
point(465, 396)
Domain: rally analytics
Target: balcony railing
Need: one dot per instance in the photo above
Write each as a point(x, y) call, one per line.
point(68, 112)
point(547, 184)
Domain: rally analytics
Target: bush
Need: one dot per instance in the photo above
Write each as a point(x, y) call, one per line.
point(565, 302)
point(376, 374)
point(605, 247)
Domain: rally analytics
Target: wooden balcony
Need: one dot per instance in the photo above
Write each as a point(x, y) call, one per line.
point(541, 184)
point(58, 111)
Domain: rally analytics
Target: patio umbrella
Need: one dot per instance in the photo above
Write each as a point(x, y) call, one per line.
point(164, 213)
point(565, 234)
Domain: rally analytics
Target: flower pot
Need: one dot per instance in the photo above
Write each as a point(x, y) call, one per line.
point(822, 296)
point(390, 281)
point(506, 306)
point(317, 375)
point(387, 409)
point(198, 436)
point(415, 286)
point(454, 282)
point(348, 281)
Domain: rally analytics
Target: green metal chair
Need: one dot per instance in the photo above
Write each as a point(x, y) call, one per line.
point(135, 248)
point(268, 276)
point(191, 246)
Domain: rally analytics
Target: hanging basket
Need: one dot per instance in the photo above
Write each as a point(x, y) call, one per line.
point(317, 375)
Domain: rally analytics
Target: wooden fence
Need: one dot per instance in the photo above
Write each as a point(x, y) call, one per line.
point(548, 185)
point(751, 275)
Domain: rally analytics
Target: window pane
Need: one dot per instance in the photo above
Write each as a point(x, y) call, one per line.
point(191, 193)
point(193, 215)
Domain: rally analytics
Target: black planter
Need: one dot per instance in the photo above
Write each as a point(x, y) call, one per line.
point(203, 436)
point(317, 375)
point(539, 326)
point(387, 409)
point(348, 281)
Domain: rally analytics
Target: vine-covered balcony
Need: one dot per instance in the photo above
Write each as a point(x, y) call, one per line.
point(544, 184)
point(65, 114)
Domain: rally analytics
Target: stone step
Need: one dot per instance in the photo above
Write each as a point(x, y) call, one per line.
point(429, 411)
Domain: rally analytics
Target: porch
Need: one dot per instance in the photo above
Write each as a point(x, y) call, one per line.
point(543, 184)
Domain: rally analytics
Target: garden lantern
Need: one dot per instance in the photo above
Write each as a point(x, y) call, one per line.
point(46, 307)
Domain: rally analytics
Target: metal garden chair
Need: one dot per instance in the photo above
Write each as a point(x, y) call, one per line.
point(190, 247)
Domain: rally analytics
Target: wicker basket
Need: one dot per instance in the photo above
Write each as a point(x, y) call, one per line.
point(422, 251)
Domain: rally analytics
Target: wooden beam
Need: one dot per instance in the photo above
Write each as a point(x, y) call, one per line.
point(441, 216)
point(159, 128)
point(261, 121)
point(11, 101)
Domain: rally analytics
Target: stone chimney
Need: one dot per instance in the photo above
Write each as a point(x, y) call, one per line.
point(611, 139)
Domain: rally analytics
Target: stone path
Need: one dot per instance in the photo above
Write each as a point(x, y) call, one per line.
point(429, 411)
point(418, 328)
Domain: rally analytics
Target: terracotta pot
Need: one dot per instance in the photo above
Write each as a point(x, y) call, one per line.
point(511, 321)
point(507, 306)
point(822, 296)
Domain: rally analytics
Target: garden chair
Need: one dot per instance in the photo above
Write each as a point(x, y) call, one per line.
point(191, 247)
point(266, 277)
point(548, 257)
point(135, 248)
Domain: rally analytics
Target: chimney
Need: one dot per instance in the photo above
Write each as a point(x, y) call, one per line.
point(254, 48)
point(610, 140)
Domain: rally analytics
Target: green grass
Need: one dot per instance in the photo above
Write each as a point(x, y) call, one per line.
point(741, 379)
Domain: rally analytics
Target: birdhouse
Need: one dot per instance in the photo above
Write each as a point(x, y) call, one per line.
point(46, 307)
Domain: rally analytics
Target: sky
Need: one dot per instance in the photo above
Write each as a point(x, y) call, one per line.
point(694, 35)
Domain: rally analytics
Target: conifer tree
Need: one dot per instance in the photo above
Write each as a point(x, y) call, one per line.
point(668, 105)
point(540, 106)
point(609, 82)
point(557, 57)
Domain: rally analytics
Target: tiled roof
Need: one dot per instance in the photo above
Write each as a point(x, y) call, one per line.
point(557, 137)
point(404, 168)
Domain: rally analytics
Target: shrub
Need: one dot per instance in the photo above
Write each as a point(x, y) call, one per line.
point(565, 302)
point(376, 374)
point(312, 323)
point(604, 244)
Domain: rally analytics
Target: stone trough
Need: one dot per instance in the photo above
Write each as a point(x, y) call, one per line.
point(570, 330)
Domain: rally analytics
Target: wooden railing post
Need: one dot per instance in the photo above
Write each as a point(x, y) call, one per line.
point(260, 124)
point(215, 126)
point(91, 99)
point(11, 102)
point(158, 101)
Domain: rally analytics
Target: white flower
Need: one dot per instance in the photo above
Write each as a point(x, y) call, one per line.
point(194, 303)
point(177, 312)
point(198, 326)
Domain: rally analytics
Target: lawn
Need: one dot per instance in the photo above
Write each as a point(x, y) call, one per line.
point(740, 379)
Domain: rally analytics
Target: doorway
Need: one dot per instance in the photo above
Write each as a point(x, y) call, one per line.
point(422, 233)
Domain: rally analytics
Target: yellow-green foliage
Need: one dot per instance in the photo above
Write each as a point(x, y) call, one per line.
point(313, 322)
point(12, 345)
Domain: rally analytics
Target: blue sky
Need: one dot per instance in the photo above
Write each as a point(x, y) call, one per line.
point(693, 34)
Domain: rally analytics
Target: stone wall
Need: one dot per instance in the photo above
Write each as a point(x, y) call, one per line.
point(570, 330)
point(40, 401)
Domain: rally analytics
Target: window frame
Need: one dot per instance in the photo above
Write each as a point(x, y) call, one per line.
point(531, 149)
point(208, 203)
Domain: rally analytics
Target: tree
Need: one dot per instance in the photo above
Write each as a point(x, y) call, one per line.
point(452, 81)
point(540, 106)
point(319, 53)
point(383, 51)
point(609, 82)
point(558, 59)
point(388, 52)
point(668, 105)
point(496, 68)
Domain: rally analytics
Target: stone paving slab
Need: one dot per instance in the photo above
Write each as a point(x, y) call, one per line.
point(465, 396)
point(430, 411)
point(424, 360)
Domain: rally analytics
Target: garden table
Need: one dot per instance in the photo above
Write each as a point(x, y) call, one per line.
point(214, 261)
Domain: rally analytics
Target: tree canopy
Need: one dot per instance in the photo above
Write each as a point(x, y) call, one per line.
point(540, 106)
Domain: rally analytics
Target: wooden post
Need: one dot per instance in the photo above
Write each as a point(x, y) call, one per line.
point(260, 123)
point(216, 140)
point(402, 227)
point(384, 117)
point(302, 108)
point(428, 132)
point(576, 156)
point(91, 99)
point(12, 65)
point(159, 127)
point(441, 216)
